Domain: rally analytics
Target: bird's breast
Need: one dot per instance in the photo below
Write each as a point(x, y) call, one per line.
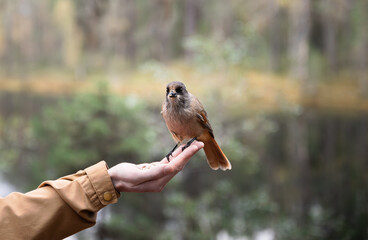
point(183, 122)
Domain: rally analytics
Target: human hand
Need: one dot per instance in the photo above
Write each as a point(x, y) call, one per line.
point(151, 177)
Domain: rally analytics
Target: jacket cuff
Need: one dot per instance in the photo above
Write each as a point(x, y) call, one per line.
point(104, 191)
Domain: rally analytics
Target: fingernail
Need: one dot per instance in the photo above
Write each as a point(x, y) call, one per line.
point(200, 145)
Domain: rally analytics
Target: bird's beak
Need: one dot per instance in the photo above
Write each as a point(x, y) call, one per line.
point(172, 94)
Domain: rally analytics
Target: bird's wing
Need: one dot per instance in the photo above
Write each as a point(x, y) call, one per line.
point(202, 116)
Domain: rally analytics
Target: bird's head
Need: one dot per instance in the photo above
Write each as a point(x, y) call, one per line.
point(176, 93)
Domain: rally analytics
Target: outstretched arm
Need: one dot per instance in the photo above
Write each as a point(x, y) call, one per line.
point(60, 208)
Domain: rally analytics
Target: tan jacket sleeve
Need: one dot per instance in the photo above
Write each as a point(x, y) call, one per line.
point(57, 209)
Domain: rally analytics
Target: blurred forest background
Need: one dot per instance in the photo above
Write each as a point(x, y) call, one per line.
point(285, 84)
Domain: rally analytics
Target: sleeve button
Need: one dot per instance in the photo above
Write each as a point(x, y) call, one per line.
point(107, 196)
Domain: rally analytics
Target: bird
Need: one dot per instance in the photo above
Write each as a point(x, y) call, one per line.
point(187, 121)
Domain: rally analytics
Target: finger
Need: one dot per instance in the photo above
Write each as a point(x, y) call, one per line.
point(173, 155)
point(176, 153)
point(178, 163)
point(178, 150)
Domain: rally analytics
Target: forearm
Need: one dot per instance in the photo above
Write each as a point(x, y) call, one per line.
point(59, 208)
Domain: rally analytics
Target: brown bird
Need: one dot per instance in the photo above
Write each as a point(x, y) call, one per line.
point(187, 121)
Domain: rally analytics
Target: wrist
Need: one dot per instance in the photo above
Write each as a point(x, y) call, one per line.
point(113, 178)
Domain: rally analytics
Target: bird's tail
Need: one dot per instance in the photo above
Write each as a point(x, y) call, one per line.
point(215, 157)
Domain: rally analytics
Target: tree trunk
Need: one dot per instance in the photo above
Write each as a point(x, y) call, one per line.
point(299, 158)
point(361, 54)
point(329, 34)
point(275, 32)
point(299, 39)
point(190, 21)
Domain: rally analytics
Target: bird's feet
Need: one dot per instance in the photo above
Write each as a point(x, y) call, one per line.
point(188, 143)
point(170, 153)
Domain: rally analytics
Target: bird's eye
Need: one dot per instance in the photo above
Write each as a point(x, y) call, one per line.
point(179, 90)
point(167, 90)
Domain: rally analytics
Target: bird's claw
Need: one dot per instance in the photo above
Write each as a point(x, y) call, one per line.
point(170, 153)
point(188, 143)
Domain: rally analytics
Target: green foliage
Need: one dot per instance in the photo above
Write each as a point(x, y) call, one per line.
point(213, 54)
point(245, 50)
point(16, 148)
point(88, 128)
point(216, 209)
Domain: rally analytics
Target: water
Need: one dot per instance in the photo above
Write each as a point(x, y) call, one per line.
point(6, 187)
